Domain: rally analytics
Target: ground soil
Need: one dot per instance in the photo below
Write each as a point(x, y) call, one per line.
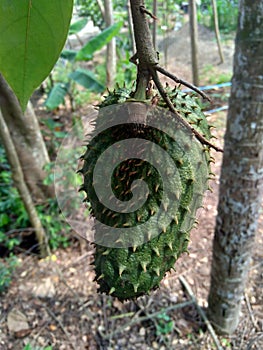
point(62, 308)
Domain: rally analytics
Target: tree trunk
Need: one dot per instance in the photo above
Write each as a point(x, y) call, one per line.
point(102, 9)
point(154, 27)
point(194, 41)
point(242, 173)
point(131, 27)
point(111, 47)
point(26, 136)
point(217, 32)
point(133, 45)
point(21, 186)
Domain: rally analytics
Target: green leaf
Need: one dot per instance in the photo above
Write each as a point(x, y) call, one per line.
point(4, 219)
point(33, 33)
point(56, 96)
point(28, 347)
point(87, 79)
point(60, 134)
point(77, 26)
point(96, 43)
point(69, 54)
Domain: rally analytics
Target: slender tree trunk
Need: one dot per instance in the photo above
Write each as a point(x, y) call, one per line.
point(101, 7)
point(165, 36)
point(111, 47)
point(154, 27)
point(242, 173)
point(131, 27)
point(26, 136)
point(217, 32)
point(194, 41)
point(21, 186)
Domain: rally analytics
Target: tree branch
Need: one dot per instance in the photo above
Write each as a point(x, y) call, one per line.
point(170, 105)
point(183, 82)
point(148, 65)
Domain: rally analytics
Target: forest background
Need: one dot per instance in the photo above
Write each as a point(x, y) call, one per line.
point(60, 103)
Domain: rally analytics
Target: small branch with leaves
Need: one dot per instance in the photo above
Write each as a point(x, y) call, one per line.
point(147, 61)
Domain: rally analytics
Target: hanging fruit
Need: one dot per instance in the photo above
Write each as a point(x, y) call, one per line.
point(132, 256)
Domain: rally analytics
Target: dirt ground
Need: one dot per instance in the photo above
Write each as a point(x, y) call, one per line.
point(56, 303)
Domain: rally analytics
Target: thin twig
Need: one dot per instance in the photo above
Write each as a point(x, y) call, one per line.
point(144, 10)
point(181, 81)
point(166, 98)
point(144, 318)
point(244, 332)
point(252, 341)
point(51, 313)
point(201, 312)
point(127, 314)
point(251, 315)
point(20, 230)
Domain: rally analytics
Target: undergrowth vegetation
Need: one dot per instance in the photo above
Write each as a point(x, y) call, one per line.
point(16, 234)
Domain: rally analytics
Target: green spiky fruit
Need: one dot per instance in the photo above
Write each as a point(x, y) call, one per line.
point(130, 266)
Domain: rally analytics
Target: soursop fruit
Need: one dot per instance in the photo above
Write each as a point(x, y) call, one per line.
point(136, 247)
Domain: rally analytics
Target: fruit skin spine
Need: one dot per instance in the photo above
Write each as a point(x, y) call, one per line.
point(128, 272)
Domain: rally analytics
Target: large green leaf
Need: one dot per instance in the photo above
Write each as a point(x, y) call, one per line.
point(96, 43)
point(33, 33)
point(87, 79)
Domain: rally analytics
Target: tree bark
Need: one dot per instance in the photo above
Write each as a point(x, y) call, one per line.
point(21, 186)
point(26, 136)
point(154, 26)
point(242, 173)
point(111, 46)
point(194, 41)
point(131, 27)
point(145, 53)
point(217, 32)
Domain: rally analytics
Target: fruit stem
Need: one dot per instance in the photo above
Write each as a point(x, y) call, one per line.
point(146, 55)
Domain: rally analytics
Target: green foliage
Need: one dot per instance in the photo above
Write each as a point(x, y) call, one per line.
point(17, 217)
point(12, 211)
point(226, 343)
point(227, 14)
point(211, 75)
point(97, 43)
point(67, 74)
point(29, 347)
point(54, 134)
point(87, 79)
point(32, 37)
point(91, 10)
point(77, 26)
point(57, 95)
point(56, 228)
point(164, 324)
point(7, 267)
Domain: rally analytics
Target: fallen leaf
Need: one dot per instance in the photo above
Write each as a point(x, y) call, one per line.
point(23, 333)
point(17, 321)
